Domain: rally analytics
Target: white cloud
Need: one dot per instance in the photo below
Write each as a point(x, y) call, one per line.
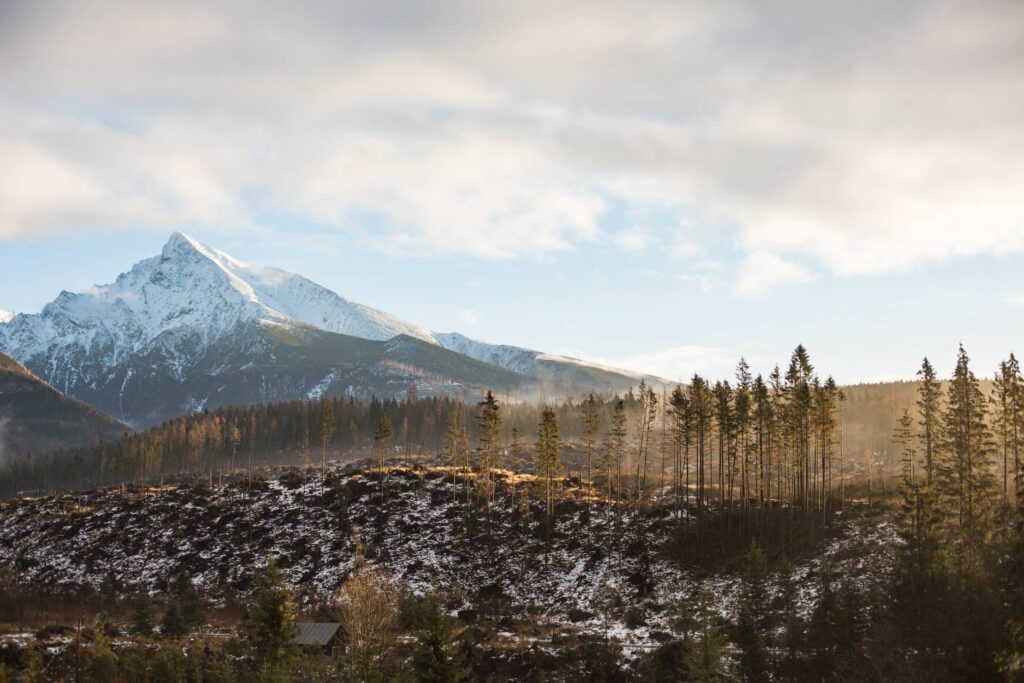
point(761, 271)
point(504, 132)
point(469, 316)
point(704, 282)
point(705, 273)
point(637, 238)
point(684, 247)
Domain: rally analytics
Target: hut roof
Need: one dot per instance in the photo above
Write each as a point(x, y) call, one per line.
point(316, 633)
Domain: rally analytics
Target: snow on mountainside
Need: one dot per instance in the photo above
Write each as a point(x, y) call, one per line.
point(555, 358)
point(177, 304)
point(538, 363)
point(5, 316)
point(514, 358)
point(194, 327)
point(192, 287)
point(174, 314)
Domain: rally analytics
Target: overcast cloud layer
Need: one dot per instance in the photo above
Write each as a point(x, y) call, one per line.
point(862, 139)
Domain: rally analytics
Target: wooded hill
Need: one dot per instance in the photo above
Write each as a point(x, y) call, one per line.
point(35, 417)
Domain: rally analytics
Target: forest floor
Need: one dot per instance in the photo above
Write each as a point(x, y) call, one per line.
point(605, 571)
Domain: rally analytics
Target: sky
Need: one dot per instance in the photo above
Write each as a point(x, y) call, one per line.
point(659, 186)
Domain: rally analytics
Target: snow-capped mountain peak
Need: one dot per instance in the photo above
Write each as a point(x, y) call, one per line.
point(181, 245)
point(189, 291)
point(149, 345)
point(281, 296)
point(6, 316)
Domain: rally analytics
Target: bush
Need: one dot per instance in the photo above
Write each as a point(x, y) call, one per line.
point(634, 617)
point(172, 664)
point(435, 657)
point(415, 612)
point(291, 478)
point(184, 612)
point(670, 662)
point(141, 614)
point(598, 660)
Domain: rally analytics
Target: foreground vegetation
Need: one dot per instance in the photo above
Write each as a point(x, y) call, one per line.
point(743, 480)
point(599, 590)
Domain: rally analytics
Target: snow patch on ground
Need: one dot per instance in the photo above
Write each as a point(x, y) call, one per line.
point(582, 580)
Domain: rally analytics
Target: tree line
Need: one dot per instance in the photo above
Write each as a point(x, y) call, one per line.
point(232, 439)
point(958, 591)
point(216, 443)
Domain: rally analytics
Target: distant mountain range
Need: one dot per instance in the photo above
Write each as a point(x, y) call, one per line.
point(36, 418)
point(194, 328)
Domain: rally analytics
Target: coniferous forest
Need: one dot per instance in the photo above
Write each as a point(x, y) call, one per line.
point(744, 478)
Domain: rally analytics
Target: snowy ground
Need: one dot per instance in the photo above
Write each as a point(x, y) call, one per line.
point(582, 580)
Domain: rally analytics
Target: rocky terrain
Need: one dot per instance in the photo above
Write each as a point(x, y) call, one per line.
point(592, 576)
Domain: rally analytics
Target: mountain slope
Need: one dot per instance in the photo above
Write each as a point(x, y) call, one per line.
point(34, 417)
point(558, 374)
point(268, 361)
point(152, 344)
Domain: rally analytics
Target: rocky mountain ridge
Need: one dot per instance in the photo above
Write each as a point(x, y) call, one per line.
point(194, 327)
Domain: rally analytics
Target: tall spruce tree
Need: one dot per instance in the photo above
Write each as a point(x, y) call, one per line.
point(725, 425)
point(452, 456)
point(965, 471)
point(702, 405)
point(929, 408)
point(1008, 420)
point(327, 427)
point(489, 431)
point(548, 455)
point(918, 587)
point(614, 446)
point(269, 621)
point(1016, 418)
point(742, 406)
point(513, 455)
point(381, 443)
point(682, 433)
point(764, 418)
point(591, 425)
point(799, 381)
